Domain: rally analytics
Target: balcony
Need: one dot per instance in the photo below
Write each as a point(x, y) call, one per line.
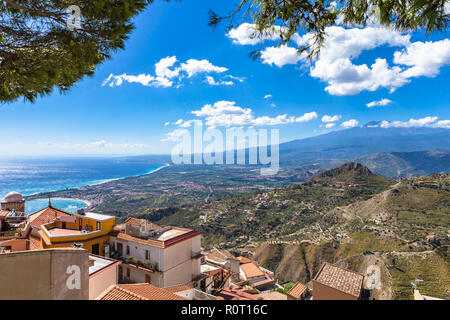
point(140, 264)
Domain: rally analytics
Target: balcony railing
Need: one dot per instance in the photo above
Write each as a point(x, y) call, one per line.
point(141, 265)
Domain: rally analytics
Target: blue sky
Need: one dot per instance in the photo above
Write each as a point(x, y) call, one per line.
point(137, 107)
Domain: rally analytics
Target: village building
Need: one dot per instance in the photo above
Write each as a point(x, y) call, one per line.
point(336, 283)
point(256, 276)
point(87, 230)
point(297, 292)
point(161, 256)
point(12, 211)
point(45, 275)
point(103, 273)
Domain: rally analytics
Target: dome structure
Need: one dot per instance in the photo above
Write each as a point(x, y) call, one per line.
point(13, 197)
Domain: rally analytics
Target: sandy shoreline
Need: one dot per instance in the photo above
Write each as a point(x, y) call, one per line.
point(87, 202)
point(115, 179)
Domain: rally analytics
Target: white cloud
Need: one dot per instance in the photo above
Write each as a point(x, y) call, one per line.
point(193, 66)
point(335, 65)
point(175, 135)
point(442, 124)
point(379, 103)
point(330, 125)
point(227, 114)
point(424, 122)
point(240, 79)
point(327, 118)
point(267, 96)
point(162, 68)
point(350, 123)
point(166, 73)
point(246, 34)
point(100, 144)
point(424, 58)
point(212, 82)
point(187, 124)
point(281, 56)
point(307, 117)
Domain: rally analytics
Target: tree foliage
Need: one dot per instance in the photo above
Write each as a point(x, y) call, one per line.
point(313, 16)
point(38, 51)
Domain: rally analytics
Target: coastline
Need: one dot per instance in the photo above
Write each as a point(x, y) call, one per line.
point(120, 178)
point(88, 203)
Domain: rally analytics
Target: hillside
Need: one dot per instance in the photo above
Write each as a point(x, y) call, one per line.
point(349, 216)
point(362, 141)
point(408, 164)
point(280, 213)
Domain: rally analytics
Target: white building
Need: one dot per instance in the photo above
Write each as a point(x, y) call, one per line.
point(161, 256)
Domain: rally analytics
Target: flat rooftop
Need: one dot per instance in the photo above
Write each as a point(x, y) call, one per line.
point(55, 232)
point(99, 263)
point(170, 234)
point(94, 216)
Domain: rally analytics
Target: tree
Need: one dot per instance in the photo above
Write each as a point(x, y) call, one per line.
point(40, 50)
point(287, 17)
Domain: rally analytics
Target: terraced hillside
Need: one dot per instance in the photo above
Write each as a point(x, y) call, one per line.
point(347, 216)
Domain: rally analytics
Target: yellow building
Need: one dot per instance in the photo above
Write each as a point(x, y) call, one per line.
point(87, 230)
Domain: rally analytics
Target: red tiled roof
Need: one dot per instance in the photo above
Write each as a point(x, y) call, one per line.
point(139, 222)
point(232, 294)
point(297, 290)
point(178, 288)
point(35, 242)
point(142, 291)
point(245, 260)
point(45, 216)
point(251, 270)
point(341, 279)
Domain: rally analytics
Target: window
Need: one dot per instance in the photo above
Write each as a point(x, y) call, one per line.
point(147, 255)
point(148, 279)
point(98, 225)
point(128, 250)
point(80, 223)
point(128, 273)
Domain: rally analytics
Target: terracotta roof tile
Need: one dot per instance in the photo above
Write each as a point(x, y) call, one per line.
point(245, 260)
point(142, 291)
point(35, 242)
point(297, 290)
point(178, 288)
point(139, 222)
point(341, 279)
point(251, 270)
point(45, 216)
point(233, 294)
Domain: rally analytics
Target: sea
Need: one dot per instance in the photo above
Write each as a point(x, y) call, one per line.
point(29, 176)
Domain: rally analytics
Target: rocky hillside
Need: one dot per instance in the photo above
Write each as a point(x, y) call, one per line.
point(349, 216)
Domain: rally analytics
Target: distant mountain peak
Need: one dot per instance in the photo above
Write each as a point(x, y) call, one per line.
point(372, 124)
point(350, 167)
point(351, 172)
